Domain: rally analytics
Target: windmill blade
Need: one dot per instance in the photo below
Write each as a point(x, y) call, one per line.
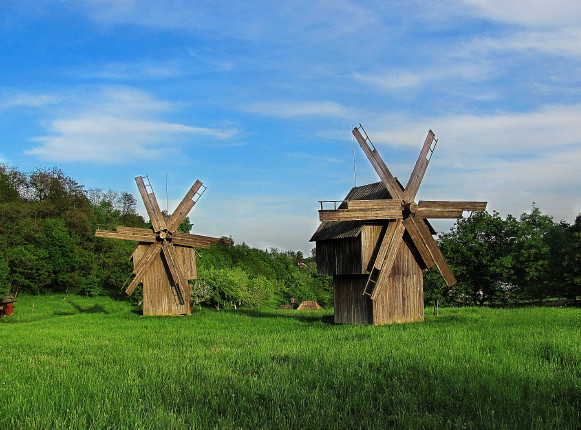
point(451, 205)
point(197, 241)
point(155, 216)
point(417, 175)
point(434, 250)
point(141, 267)
point(184, 207)
point(176, 275)
point(385, 175)
point(412, 229)
point(128, 233)
point(141, 236)
point(385, 258)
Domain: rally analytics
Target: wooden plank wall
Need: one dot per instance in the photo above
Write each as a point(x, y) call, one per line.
point(403, 298)
point(339, 256)
point(351, 306)
point(370, 244)
point(159, 296)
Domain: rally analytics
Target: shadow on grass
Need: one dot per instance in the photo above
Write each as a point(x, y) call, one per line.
point(93, 309)
point(310, 317)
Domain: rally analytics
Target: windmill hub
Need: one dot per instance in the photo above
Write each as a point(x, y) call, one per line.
point(164, 235)
point(409, 209)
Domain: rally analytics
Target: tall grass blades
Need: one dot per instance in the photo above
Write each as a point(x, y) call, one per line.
point(72, 362)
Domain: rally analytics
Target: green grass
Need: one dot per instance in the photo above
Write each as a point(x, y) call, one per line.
point(80, 363)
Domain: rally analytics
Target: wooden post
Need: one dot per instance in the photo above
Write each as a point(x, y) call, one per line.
point(436, 307)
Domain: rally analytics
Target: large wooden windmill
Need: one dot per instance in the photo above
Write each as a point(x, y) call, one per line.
point(377, 242)
point(165, 259)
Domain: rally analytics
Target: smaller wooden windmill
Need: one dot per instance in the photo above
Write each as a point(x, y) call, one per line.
point(378, 241)
point(165, 259)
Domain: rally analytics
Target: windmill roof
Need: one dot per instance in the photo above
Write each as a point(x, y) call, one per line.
point(345, 229)
point(329, 230)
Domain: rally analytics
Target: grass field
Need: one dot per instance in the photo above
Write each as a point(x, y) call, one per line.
point(70, 362)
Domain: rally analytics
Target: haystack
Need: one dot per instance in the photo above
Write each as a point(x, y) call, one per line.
point(309, 306)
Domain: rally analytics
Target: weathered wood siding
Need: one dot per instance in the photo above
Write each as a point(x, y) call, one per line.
point(370, 244)
point(159, 296)
point(349, 256)
point(403, 298)
point(351, 306)
point(339, 256)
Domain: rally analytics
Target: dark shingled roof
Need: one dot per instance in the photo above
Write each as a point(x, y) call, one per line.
point(345, 229)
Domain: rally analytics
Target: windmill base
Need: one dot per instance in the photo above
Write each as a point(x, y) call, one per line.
point(402, 299)
point(159, 295)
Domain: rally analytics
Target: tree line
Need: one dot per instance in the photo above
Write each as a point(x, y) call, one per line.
point(47, 244)
point(509, 260)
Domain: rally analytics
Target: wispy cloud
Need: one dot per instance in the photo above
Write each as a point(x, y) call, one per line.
point(500, 133)
point(556, 13)
point(117, 125)
point(27, 100)
point(299, 109)
point(131, 71)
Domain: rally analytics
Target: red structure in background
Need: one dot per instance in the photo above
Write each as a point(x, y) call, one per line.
point(7, 306)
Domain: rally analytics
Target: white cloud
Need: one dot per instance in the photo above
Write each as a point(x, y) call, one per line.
point(116, 125)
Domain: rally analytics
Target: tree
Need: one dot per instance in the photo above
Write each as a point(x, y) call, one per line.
point(571, 280)
point(479, 249)
point(538, 255)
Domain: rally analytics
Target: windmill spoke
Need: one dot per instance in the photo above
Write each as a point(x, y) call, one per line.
point(436, 253)
point(417, 239)
point(385, 258)
point(141, 267)
point(184, 207)
point(176, 275)
point(142, 236)
point(386, 177)
point(155, 216)
point(417, 175)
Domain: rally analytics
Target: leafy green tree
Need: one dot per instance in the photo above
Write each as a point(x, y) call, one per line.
point(62, 254)
point(536, 246)
point(571, 264)
point(480, 251)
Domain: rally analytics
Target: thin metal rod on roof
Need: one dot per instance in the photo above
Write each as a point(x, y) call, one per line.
point(354, 165)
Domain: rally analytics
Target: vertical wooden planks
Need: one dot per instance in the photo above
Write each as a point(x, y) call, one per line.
point(159, 296)
point(351, 305)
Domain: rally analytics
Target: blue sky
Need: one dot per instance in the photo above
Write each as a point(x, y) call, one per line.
point(256, 99)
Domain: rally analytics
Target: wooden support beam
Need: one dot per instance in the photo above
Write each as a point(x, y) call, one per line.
point(380, 204)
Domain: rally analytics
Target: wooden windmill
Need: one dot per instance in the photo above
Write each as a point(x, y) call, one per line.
point(165, 259)
point(377, 242)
